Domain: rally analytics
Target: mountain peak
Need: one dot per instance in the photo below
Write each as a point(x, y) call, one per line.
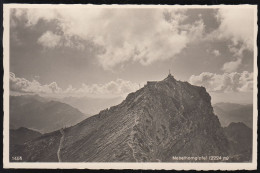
point(163, 119)
point(169, 78)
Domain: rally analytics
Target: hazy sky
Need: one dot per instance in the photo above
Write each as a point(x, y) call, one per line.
point(101, 51)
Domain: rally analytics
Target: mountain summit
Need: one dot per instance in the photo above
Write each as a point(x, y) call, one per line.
point(162, 120)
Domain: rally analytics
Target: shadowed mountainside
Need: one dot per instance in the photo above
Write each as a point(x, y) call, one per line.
point(159, 121)
point(39, 113)
point(40, 149)
point(231, 112)
point(22, 135)
point(241, 139)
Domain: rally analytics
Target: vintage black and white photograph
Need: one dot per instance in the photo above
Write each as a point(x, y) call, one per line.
point(130, 84)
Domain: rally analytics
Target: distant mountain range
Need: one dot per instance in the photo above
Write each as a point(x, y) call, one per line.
point(232, 112)
point(160, 121)
point(42, 114)
point(91, 106)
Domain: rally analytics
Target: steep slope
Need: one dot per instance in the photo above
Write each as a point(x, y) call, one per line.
point(91, 106)
point(40, 149)
point(159, 121)
point(240, 138)
point(231, 112)
point(42, 115)
point(19, 137)
point(22, 135)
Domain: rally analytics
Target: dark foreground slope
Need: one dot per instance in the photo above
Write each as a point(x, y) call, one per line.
point(40, 149)
point(161, 120)
point(22, 135)
point(240, 138)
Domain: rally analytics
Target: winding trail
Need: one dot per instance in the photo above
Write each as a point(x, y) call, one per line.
point(132, 151)
point(129, 144)
point(61, 141)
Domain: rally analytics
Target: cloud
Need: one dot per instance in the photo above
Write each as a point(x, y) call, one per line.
point(216, 52)
point(232, 65)
point(237, 24)
point(49, 39)
point(24, 86)
point(227, 82)
point(52, 40)
point(237, 51)
point(117, 87)
point(33, 15)
point(142, 35)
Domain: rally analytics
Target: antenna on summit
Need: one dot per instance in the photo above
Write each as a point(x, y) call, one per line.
point(170, 75)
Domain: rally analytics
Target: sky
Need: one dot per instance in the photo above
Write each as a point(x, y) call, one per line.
point(114, 51)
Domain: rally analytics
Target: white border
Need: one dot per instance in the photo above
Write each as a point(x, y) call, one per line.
point(121, 165)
